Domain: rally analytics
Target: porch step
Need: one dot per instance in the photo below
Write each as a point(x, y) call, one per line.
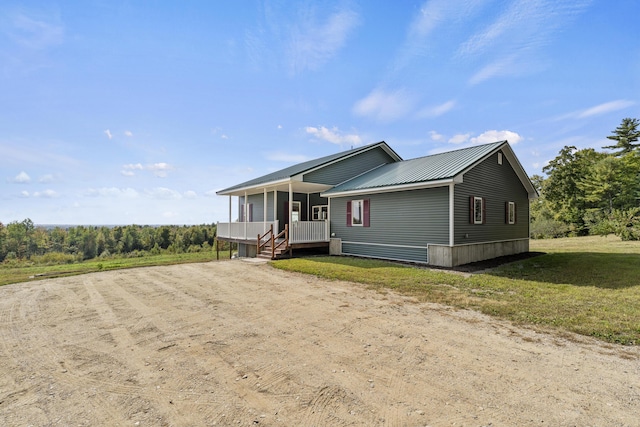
point(278, 254)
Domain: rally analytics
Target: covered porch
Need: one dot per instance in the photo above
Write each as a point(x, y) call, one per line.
point(289, 214)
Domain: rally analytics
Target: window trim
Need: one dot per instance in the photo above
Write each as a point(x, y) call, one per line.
point(473, 217)
point(511, 213)
point(320, 209)
point(354, 203)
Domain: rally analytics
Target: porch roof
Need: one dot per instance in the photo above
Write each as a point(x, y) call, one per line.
point(280, 179)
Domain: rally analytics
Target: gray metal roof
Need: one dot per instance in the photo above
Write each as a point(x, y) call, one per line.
point(304, 167)
point(421, 170)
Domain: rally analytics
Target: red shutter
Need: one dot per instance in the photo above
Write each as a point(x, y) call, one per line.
point(484, 210)
point(348, 213)
point(472, 210)
point(365, 213)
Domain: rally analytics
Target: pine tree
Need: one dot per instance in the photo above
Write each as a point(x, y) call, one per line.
point(626, 136)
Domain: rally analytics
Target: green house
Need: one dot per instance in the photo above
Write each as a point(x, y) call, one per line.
point(445, 209)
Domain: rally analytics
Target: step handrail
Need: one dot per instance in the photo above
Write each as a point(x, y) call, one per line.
point(284, 232)
point(262, 245)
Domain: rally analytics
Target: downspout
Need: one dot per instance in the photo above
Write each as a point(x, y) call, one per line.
point(451, 215)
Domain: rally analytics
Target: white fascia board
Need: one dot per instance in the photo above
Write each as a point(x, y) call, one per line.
point(392, 188)
point(240, 191)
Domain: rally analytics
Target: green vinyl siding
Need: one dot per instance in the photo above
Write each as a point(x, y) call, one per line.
point(345, 169)
point(497, 184)
point(402, 224)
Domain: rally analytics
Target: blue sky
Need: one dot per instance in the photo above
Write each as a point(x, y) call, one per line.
point(121, 112)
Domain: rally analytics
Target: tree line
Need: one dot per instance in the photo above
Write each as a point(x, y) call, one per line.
point(24, 240)
point(591, 192)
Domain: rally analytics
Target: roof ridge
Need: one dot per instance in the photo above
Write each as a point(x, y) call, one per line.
point(458, 149)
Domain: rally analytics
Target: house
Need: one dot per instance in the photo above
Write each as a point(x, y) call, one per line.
point(445, 209)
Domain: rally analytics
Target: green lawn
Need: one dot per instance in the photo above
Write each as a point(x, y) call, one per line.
point(24, 271)
point(587, 285)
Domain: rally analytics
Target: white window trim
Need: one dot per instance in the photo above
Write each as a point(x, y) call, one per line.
point(295, 204)
point(512, 212)
point(353, 212)
point(319, 209)
point(475, 214)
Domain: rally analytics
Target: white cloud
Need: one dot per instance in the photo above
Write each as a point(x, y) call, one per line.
point(21, 178)
point(128, 193)
point(35, 34)
point(437, 110)
point(210, 193)
point(46, 194)
point(495, 136)
point(163, 193)
point(384, 106)
point(24, 193)
point(435, 136)
point(160, 169)
point(511, 42)
point(224, 136)
point(605, 108)
point(45, 178)
point(312, 44)
point(108, 133)
point(279, 126)
point(128, 133)
point(460, 138)
point(190, 194)
point(334, 135)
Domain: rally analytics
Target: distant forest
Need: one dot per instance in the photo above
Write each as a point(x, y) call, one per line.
point(23, 240)
point(589, 192)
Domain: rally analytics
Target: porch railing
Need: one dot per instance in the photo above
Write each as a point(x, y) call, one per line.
point(244, 230)
point(309, 231)
point(299, 232)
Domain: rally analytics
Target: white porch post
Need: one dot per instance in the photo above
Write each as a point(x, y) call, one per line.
point(264, 212)
point(308, 207)
point(451, 215)
point(229, 211)
point(290, 213)
point(245, 216)
point(275, 207)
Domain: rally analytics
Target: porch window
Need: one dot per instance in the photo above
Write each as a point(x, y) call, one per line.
point(511, 215)
point(320, 213)
point(358, 213)
point(477, 210)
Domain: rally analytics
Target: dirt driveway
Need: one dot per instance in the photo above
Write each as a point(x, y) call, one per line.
point(240, 344)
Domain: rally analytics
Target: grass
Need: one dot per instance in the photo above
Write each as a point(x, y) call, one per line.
point(585, 285)
point(24, 271)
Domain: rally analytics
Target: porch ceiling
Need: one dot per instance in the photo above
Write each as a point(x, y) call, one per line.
point(297, 186)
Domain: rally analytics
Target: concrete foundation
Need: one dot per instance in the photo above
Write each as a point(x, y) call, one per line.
point(335, 246)
point(451, 256)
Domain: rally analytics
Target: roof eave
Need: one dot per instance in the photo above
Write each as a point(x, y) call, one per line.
point(393, 188)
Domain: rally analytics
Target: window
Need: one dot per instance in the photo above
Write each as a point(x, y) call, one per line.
point(295, 211)
point(358, 213)
point(511, 212)
point(320, 213)
point(499, 158)
point(477, 210)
